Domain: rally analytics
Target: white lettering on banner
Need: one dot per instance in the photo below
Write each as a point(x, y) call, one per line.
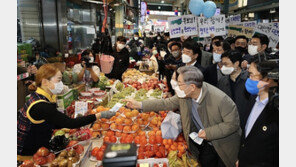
point(214, 25)
point(182, 26)
point(271, 30)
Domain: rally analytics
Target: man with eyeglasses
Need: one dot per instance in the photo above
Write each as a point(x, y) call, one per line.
point(209, 118)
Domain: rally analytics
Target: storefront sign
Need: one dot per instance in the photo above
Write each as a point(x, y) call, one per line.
point(214, 25)
point(182, 26)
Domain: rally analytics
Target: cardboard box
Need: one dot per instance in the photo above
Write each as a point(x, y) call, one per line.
point(65, 100)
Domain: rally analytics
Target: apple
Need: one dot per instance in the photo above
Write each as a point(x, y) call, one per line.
point(79, 149)
point(42, 152)
point(27, 163)
point(50, 157)
point(71, 143)
point(40, 160)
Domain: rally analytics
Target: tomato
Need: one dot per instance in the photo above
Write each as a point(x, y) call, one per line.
point(79, 149)
point(113, 139)
point(50, 157)
point(165, 165)
point(95, 151)
point(42, 152)
point(155, 165)
point(107, 139)
point(40, 161)
point(100, 155)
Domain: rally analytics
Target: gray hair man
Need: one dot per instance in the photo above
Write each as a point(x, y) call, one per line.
point(207, 114)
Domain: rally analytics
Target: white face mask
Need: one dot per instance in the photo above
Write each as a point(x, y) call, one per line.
point(91, 59)
point(227, 70)
point(180, 93)
point(158, 38)
point(162, 53)
point(120, 46)
point(175, 53)
point(174, 84)
point(252, 50)
point(136, 38)
point(216, 58)
point(58, 88)
point(186, 58)
point(154, 52)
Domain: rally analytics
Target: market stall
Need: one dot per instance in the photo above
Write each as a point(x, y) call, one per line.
point(129, 137)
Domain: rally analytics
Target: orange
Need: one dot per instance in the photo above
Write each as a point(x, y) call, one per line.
point(152, 114)
point(117, 114)
point(154, 121)
point(110, 133)
point(137, 140)
point(158, 133)
point(181, 148)
point(135, 127)
point(107, 139)
point(128, 121)
point(104, 133)
point(167, 147)
point(118, 134)
point(142, 133)
point(120, 127)
point(180, 154)
point(128, 114)
point(165, 141)
point(158, 139)
point(122, 109)
point(113, 126)
point(105, 126)
point(113, 118)
point(152, 140)
point(175, 144)
point(139, 121)
point(151, 133)
point(119, 121)
point(170, 141)
point(144, 116)
point(173, 147)
point(113, 139)
point(96, 127)
point(104, 120)
point(135, 113)
point(126, 129)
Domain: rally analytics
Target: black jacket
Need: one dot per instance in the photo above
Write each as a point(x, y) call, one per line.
point(210, 75)
point(237, 92)
point(196, 65)
point(120, 65)
point(261, 147)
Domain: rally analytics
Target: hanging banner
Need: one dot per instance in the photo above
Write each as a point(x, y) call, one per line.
point(234, 30)
point(251, 24)
point(271, 30)
point(233, 20)
point(214, 25)
point(182, 26)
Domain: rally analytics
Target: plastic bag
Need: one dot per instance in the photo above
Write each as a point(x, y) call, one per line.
point(171, 126)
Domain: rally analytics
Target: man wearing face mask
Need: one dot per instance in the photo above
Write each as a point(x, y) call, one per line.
point(190, 54)
point(135, 47)
point(260, 137)
point(209, 118)
point(257, 47)
point(88, 71)
point(241, 44)
point(213, 72)
point(233, 83)
point(39, 116)
point(173, 62)
point(121, 62)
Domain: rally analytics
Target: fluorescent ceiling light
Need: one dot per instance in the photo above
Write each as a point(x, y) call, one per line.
point(251, 15)
point(272, 10)
point(162, 1)
point(91, 1)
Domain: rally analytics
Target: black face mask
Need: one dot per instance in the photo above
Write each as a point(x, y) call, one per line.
point(241, 49)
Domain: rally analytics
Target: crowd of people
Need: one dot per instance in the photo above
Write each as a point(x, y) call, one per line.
point(223, 90)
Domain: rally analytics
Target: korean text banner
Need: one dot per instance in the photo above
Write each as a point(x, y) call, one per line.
point(214, 25)
point(183, 26)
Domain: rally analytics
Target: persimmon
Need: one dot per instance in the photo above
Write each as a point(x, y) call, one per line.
point(158, 133)
point(173, 147)
point(152, 139)
point(126, 129)
point(137, 140)
point(158, 139)
point(151, 133)
point(165, 141)
point(107, 139)
point(96, 127)
point(113, 139)
point(135, 127)
point(110, 133)
point(119, 121)
point(128, 121)
point(113, 126)
point(135, 113)
point(120, 127)
point(170, 141)
point(118, 134)
point(105, 126)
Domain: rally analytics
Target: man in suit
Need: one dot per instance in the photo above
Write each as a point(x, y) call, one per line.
point(260, 133)
point(213, 73)
point(190, 53)
point(205, 111)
